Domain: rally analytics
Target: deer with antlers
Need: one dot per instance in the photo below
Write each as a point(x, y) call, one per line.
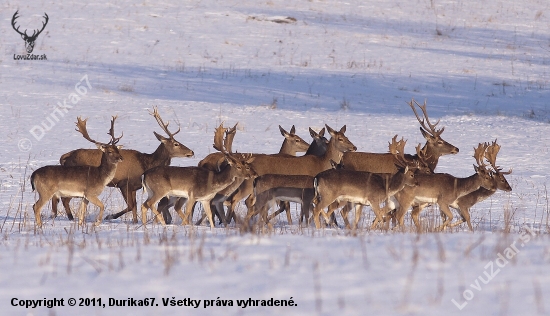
point(128, 173)
point(443, 189)
point(464, 203)
point(363, 188)
point(292, 144)
point(78, 181)
point(192, 184)
point(29, 40)
point(434, 148)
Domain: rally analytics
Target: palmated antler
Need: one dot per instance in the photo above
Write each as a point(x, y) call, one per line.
point(218, 137)
point(114, 140)
point(164, 127)
point(491, 156)
point(81, 128)
point(397, 148)
point(479, 154)
point(229, 135)
point(431, 127)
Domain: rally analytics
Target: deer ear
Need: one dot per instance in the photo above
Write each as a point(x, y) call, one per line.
point(160, 137)
point(119, 146)
point(283, 132)
point(312, 133)
point(293, 130)
point(330, 130)
point(322, 132)
point(425, 134)
point(343, 129)
point(100, 147)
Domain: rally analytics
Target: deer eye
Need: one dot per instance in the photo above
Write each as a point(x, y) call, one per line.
point(440, 142)
point(176, 144)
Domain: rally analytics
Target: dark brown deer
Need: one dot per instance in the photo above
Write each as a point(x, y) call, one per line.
point(78, 181)
point(29, 40)
point(129, 171)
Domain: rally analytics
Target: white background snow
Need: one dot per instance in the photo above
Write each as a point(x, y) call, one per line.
point(482, 66)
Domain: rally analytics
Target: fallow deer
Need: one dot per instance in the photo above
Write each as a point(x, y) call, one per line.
point(464, 203)
point(128, 173)
point(443, 189)
point(192, 184)
point(78, 181)
point(361, 187)
point(303, 165)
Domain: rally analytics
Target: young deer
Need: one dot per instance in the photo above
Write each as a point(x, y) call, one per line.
point(361, 187)
point(128, 173)
point(464, 203)
point(78, 181)
point(192, 184)
point(443, 189)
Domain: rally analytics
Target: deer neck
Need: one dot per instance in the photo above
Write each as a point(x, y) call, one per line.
point(394, 183)
point(463, 186)
point(106, 169)
point(433, 157)
point(160, 157)
point(219, 181)
point(332, 153)
point(286, 149)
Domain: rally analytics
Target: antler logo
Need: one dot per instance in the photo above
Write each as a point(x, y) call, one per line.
point(29, 40)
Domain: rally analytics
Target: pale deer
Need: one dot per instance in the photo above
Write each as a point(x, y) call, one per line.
point(309, 165)
point(464, 203)
point(192, 184)
point(128, 173)
point(363, 188)
point(78, 181)
point(443, 189)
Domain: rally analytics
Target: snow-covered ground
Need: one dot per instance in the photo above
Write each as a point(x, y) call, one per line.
point(483, 68)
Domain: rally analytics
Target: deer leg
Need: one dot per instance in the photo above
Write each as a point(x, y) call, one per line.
point(55, 201)
point(82, 212)
point(96, 201)
point(344, 212)
point(38, 206)
point(186, 218)
point(445, 208)
point(359, 212)
point(164, 208)
point(66, 204)
point(208, 211)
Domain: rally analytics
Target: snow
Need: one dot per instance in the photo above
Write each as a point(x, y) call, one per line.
point(482, 67)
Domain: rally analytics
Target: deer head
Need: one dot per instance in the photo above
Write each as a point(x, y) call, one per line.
point(29, 40)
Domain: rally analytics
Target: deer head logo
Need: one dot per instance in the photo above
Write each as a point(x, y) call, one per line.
point(29, 40)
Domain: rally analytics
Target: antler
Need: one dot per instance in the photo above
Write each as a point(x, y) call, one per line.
point(81, 127)
point(431, 127)
point(397, 148)
point(479, 154)
point(34, 34)
point(218, 137)
point(13, 23)
point(229, 135)
point(491, 156)
point(422, 155)
point(114, 140)
point(164, 127)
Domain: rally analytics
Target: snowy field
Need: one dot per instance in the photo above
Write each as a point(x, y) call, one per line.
point(483, 67)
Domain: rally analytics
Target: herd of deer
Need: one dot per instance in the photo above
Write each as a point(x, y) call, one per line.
point(331, 175)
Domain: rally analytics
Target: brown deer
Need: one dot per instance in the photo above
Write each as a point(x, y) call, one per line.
point(192, 184)
point(292, 144)
point(128, 173)
point(464, 203)
point(363, 188)
point(303, 165)
point(443, 189)
point(78, 181)
point(434, 148)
